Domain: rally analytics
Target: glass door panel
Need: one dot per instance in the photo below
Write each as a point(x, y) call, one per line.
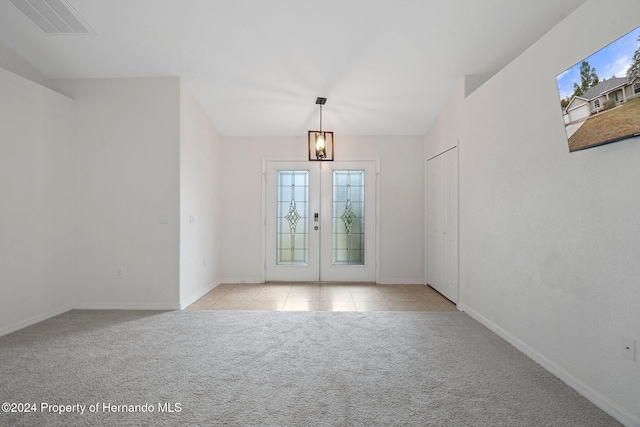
point(292, 242)
point(348, 238)
point(348, 217)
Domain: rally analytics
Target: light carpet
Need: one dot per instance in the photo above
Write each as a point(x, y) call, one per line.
point(258, 368)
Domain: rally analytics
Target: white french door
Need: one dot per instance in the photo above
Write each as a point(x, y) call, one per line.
point(292, 195)
point(320, 221)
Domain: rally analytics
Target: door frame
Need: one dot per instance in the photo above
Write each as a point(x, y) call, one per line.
point(266, 160)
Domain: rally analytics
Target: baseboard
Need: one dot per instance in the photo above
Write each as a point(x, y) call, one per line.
point(33, 320)
point(381, 281)
point(589, 393)
point(198, 294)
point(127, 306)
point(241, 280)
point(87, 306)
point(400, 281)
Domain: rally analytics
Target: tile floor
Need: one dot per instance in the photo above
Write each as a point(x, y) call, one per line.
point(323, 297)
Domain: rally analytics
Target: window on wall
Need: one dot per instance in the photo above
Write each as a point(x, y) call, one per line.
point(636, 88)
point(596, 103)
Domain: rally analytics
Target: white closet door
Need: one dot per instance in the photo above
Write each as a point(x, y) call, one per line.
point(442, 224)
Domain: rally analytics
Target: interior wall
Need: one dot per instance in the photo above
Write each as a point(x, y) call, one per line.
point(11, 61)
point(444, 133)
point(37, 198)
point(549, 239)
point(127, 186)
point(401, 201)
point(200, 200)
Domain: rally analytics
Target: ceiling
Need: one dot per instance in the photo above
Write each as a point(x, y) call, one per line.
point(256, 66)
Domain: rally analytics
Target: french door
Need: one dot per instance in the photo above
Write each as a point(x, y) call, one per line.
point(320, 221)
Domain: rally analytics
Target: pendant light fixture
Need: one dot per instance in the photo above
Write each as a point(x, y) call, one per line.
point(320, 143)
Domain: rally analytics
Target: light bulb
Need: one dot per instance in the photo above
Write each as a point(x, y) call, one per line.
point(320, 145)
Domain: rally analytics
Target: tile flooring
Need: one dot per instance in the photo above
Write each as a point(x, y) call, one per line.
point(323, 297)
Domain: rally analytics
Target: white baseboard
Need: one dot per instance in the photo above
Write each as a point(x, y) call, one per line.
point(381, 281)
point(127, 306)
point(186, 302)
point(241, 280)
point(89, 306)
point(33, 320)
point(400, 281)
point(589, 393)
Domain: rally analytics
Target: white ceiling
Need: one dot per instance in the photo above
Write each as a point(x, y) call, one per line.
point(257, 66)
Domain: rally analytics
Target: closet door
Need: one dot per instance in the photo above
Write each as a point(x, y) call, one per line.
point(442, 224)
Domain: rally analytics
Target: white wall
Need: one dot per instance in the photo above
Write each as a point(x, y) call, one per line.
point(200, 200)
point(36, 202)
point(11, 61)
point(127, 184)
point(549, 240)
point(401, 201)
point(445, 131)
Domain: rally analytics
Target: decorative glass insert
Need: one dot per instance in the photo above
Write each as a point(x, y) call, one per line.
point(348, 217)
point(292, 242)
point(293, 217)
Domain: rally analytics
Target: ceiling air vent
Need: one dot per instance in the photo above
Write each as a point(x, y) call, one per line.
point(53, 16)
